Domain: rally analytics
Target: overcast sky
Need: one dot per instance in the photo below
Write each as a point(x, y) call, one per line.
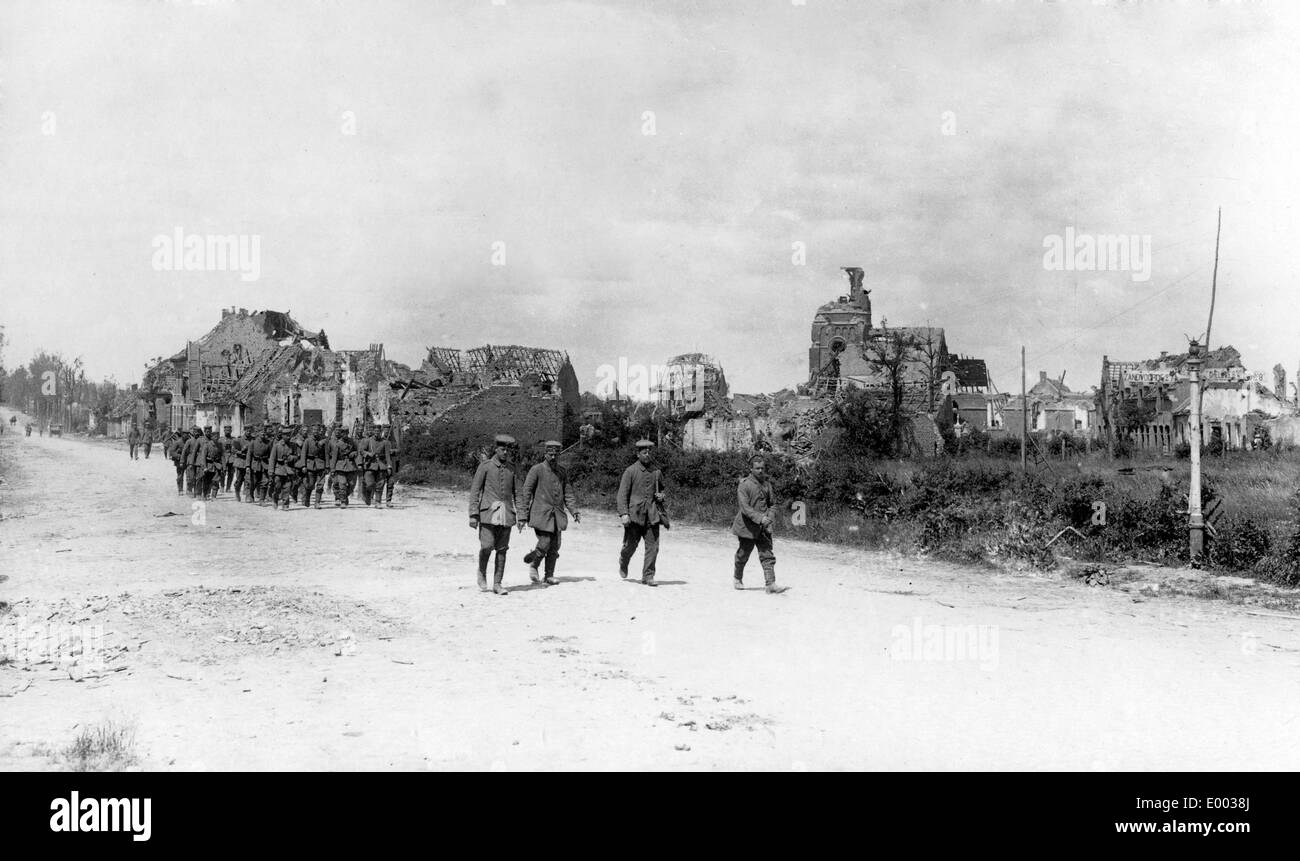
point(525, 124)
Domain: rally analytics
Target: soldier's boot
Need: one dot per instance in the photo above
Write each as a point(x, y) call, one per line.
point(773, 589)
point(499, 574)
point(550, 580)
point(320, 491)
point(483, 556)
point(533, 573)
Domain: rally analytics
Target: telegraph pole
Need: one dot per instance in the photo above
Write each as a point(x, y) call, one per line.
point(1024, 410)
point(1195, 520)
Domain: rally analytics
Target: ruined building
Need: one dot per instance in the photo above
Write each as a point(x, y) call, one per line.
point(529, 392)
point(849, 350)
point(1150, 401)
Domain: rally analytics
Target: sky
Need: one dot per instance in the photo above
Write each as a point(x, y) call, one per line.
point(634, 180)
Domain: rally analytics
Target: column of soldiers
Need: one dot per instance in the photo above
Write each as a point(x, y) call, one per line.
point(283, 464)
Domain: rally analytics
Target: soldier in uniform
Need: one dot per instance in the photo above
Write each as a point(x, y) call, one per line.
point(133, 442)
point(311, 460)
point(239, 461)
point(342, 465)
point(547, 493)
point(280, 467)
point(146, 439)
point(188, 453)
point(228, 444)
point(259, 465)
point(366, 451)
point(386, 469)
point(640, 493)
point(213, 463)
point(753, 525)
point(172, 451)
point(492, 512)
point(297, 436)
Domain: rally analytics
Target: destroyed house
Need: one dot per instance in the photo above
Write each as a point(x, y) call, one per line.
point(528, 392)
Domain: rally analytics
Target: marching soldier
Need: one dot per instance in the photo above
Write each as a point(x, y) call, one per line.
point(342, 465)
point(492, 512)
point(239, 450)
point(188, 454)
point(366, 456)
point(640, 498)
point(172, 451)
point(312, 460)
point(133, 442)
point(753, 525)
point(211, 462)
point(228, 445)
point(296, 491)
point(259, 465)
point(280, 466)
point(386, 471)
point(547, 493)
point(146, 438)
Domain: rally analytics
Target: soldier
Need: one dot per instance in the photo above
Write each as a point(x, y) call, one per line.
point(280, 467)
point(342, 464)
point(366, 456)
point(211, 463)
point(297, 437)
point(228, 456)
point(28, 428)
point(753, 525)
point(133, 442)
point(172, 451)
point(639, 503)
point(259, 465)
point(492, 512)
point(312, 461)
point(547, 493)
point(146, 439)
point(386, 472)
point(239, 461)
point(188, 453)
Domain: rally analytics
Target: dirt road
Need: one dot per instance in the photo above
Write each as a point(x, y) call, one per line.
point(257, 639)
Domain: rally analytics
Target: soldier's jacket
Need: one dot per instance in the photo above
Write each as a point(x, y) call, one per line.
point(190, 451)
point(313, 454)
point(173, 447)
point(343, 455)
point(228, 448)
point(281, 458)
point(239, 452)
point(384, 454)
point(753, 499)
point(492, 495)
point(547, 493)
point(259, 454)
point(133, 436)
point(208, 454)
point(636, 493)
point(366, 453)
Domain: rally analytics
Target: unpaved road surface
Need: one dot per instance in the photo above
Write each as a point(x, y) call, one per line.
point(357, 639)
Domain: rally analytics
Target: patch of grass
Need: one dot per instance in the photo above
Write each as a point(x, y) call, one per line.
point(106, 746)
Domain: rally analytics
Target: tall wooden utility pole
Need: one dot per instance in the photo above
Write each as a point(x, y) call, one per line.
point(1195, 520)
point(1024, 410)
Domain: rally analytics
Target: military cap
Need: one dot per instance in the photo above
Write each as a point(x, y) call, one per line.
point(505, 439)
point(550, 443)
point(644, 443)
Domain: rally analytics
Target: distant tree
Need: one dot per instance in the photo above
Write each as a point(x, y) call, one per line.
point(892, 352)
